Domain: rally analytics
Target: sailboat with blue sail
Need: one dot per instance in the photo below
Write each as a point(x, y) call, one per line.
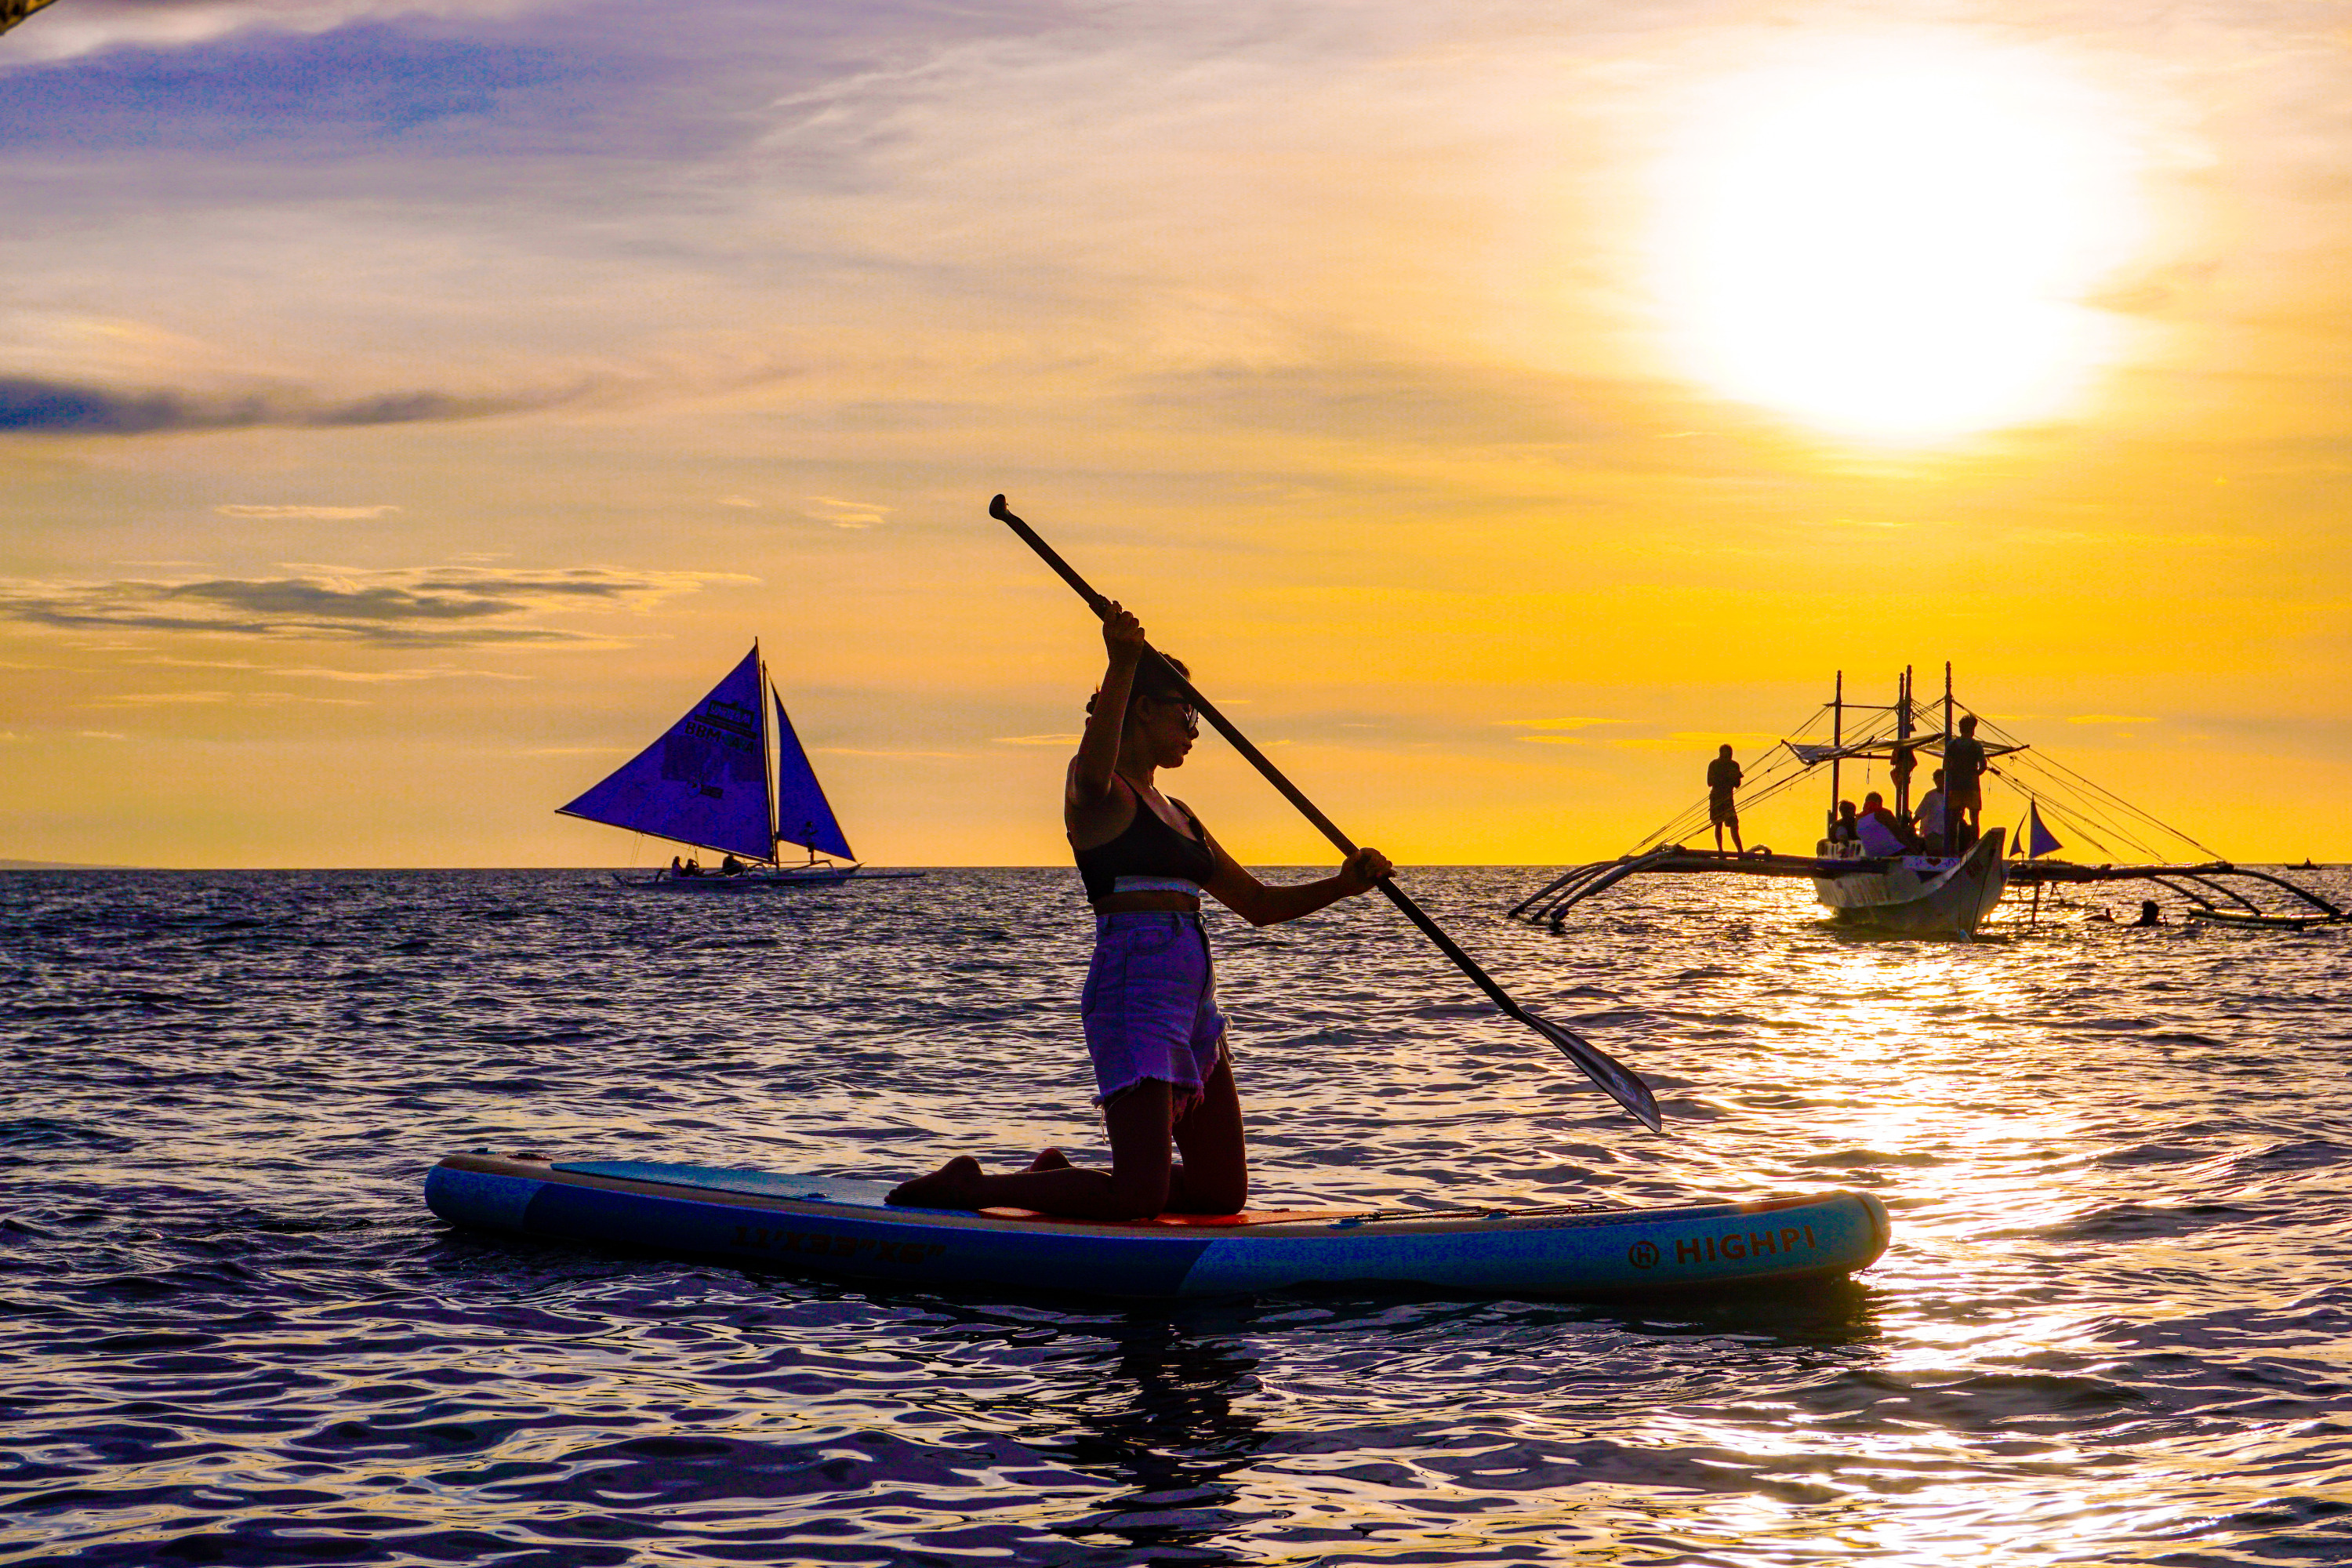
point(728, 778)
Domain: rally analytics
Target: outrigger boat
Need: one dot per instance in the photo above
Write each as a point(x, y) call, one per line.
point(1950, 893)
point(724, 778)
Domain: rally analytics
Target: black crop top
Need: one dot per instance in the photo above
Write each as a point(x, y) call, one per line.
point(1149, 848)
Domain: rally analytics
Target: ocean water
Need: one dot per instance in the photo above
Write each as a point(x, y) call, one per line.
point(2114, 1326)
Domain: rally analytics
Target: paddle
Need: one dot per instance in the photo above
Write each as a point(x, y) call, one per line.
point(1613, 1076)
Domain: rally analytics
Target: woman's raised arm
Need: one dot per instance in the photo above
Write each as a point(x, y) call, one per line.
point(1098, 755)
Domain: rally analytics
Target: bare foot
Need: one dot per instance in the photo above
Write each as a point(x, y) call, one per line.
point(1050, 1160)
point(951, 1187)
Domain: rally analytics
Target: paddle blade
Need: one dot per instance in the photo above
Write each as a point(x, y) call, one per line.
point(1618, 1080)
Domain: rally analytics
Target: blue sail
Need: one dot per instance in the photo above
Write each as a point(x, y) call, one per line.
point(705, 781)
point(2039, 840)
point(803, 815)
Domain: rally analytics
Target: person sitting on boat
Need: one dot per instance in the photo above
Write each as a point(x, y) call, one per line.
point(675, 868)
point(1845, 829)
point(1161, 1065)
point(1723, 781)
point(1879, 830)
point(1930, 816)
point(2149, 914)
point(693, 867)
point(1964, 766)
point(730, 866)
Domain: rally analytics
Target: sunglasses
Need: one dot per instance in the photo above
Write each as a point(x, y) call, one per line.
point(1191, 719)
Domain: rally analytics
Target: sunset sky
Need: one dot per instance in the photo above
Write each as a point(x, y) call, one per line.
point(407, 410)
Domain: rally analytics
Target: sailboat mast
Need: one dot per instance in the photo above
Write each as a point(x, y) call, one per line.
point(767, 754)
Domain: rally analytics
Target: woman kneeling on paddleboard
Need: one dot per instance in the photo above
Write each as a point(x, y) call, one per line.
point(1150, 1002)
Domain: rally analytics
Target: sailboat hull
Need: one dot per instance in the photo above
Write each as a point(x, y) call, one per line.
point(1918, 895)
point(743, 881)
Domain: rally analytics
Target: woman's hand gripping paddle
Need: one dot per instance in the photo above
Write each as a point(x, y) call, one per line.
point(1620, 1081)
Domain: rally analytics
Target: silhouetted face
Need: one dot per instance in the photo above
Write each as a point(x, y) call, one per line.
point(1872, 801)
point(1164, 727)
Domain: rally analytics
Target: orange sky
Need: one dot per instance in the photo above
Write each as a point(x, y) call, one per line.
point(384, 464)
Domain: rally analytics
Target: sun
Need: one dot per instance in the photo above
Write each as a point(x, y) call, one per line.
point(1890, 239)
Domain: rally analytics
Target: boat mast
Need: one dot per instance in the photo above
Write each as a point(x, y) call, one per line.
point(1951, 829)
point(767, 755)
point(1901, 779)
point(1837, 739)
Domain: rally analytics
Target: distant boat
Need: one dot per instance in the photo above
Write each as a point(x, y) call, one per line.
point(723, 778)
point(1918, 892)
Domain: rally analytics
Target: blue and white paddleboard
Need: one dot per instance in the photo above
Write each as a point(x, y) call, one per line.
point(828, 1224)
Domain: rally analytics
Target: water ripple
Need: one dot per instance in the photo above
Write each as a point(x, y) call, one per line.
point(2111, 1330)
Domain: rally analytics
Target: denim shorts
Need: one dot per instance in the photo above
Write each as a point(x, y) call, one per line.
point(1151, 1006)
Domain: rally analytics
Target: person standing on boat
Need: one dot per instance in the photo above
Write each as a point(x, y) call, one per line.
point(1964, 766)
point(1723, 781)
point(1163, 1068)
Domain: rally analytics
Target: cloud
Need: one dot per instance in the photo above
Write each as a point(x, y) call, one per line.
point(430, 672)
point(1555, 731)
point(324, 513)
point(259, 698)
point(89, 26)
point(862, 752)
point(1698, 741)
point(2111, 718)
point(845, 513)
point(300, 82)
point(161, 699)
point(70, 408)
point(419, 607)
point(1070, 740)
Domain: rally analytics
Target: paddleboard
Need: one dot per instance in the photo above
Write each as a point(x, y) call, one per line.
point(833, 1226)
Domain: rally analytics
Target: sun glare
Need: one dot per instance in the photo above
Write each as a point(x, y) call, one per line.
point(1889, 240)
